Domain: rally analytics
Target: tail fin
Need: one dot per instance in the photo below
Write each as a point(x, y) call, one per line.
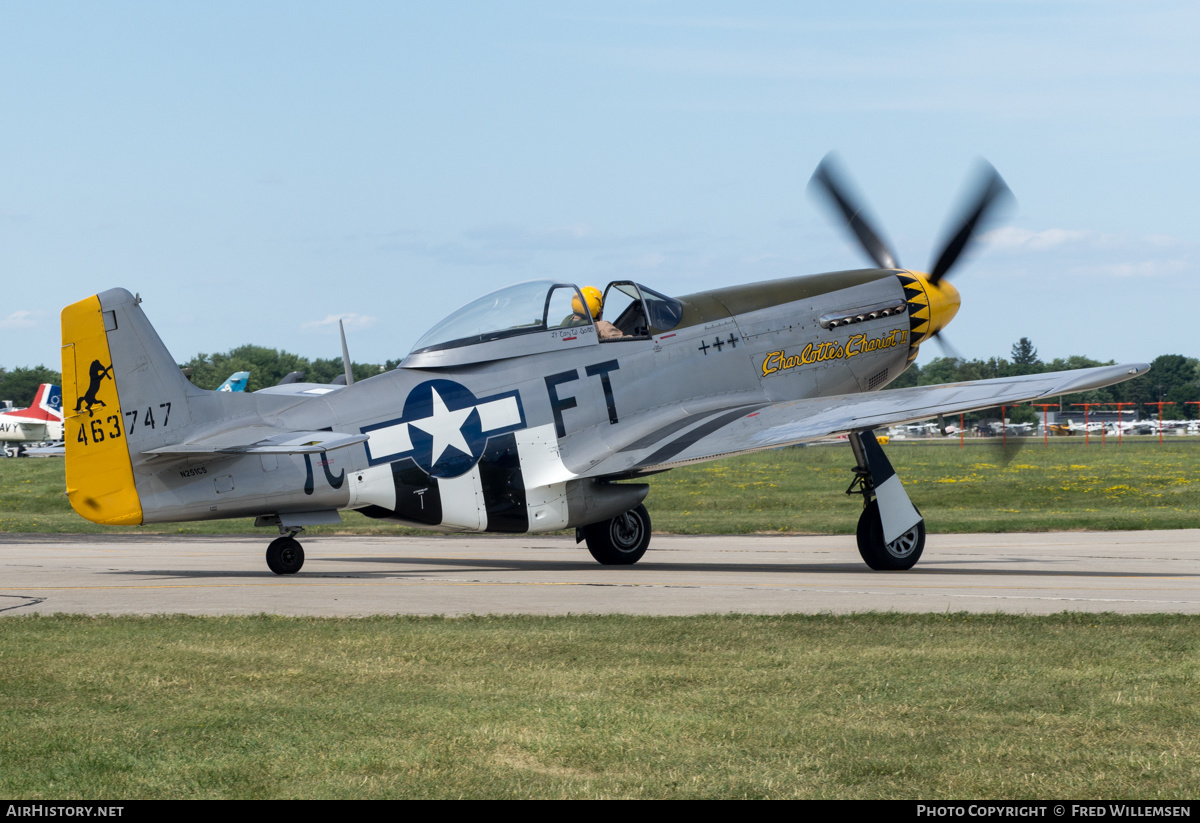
point(123, 394)
point(49, 400)
point(46, 405)
point(235, 382)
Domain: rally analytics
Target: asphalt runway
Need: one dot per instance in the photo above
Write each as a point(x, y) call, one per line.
point(1126, 572)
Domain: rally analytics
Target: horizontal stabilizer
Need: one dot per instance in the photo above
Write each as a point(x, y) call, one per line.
point(301, 389)
point(46, 451)
point(262, 440)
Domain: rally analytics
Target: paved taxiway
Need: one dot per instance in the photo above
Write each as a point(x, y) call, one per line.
point(1127, 572)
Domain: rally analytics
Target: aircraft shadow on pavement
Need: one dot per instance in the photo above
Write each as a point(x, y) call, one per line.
point(930, 567)
point(404, 566)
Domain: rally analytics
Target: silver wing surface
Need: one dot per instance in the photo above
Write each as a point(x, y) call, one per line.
point(754, 427)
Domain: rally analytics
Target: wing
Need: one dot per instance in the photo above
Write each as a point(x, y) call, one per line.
point(755, 427)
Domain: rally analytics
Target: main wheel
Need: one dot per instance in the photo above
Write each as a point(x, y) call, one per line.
point(285, 555)
point(902, 553)
point(621, 541)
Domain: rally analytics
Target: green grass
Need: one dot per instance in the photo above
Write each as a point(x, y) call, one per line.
point(867, 706)
point(33, 499)
point(895, 706)
point(1139, 485)
point(1061, 487)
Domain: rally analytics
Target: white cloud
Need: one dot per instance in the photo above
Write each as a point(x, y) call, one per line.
point(1092, 253)
point(652, 261)
point(20, 320)
point(1163, 240)
point(352, 322)
point(1011, 237)
point(1145, 268)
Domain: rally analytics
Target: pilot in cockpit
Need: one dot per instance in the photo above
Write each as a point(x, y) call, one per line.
point(595, 305)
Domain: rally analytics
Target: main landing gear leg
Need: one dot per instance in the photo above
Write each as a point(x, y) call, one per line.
point(891, 532)
point(285, 555)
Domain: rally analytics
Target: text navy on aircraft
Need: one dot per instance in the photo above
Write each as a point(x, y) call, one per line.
point(520, 411)
point(42, 422)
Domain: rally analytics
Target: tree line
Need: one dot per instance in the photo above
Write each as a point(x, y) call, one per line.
point(268, 366)
point(20, 385)
point(1172, 377)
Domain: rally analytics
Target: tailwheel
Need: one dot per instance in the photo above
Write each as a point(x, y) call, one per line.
point(620, 541)
point(285, 555)
point(899, 555)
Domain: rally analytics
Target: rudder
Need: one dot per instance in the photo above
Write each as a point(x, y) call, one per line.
point(99, 474)
point(122, 393)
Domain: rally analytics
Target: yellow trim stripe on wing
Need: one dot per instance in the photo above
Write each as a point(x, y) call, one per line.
point(99, 472)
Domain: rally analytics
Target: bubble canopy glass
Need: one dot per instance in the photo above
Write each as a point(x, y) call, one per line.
point(535, 306)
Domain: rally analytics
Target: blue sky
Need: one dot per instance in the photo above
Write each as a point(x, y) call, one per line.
point(256, 170)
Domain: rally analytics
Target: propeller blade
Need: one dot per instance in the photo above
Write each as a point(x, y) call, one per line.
point(991, 189)
point(947, 349)
point(829, 181)
point(1002, 444)
point(1004, 449)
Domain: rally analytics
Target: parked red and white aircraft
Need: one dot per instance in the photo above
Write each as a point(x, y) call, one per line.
point(42, 422)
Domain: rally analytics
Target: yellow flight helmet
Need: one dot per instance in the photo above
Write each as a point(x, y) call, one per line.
point(593, 298)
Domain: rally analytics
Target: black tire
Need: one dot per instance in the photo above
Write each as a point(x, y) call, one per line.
point(285, 555)
point(620, 541)
point(899, 555)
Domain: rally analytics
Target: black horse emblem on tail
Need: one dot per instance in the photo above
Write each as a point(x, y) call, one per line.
point(96, 374)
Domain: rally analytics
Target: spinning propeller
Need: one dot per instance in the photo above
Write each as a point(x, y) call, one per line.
point(988, 192)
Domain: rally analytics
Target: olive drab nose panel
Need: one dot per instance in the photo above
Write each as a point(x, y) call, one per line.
point(99, 472)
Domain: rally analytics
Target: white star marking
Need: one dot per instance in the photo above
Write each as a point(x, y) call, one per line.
point(446, 428)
